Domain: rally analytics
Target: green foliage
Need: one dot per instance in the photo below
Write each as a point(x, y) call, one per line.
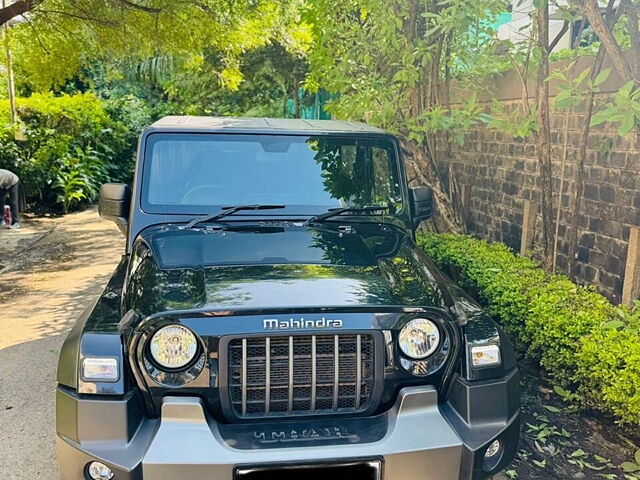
point(79, 178)
point(609, 358)
point(61, 37)
point(590, 50)
point(270, 76)
point(584, 342)
point(72, 144)
point(187, 57)
point(367, 52)
point(624, 110)
point(456, 121)
point(574, 89)
point(513, 121)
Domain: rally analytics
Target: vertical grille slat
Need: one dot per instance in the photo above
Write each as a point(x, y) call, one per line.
point(290, 404)
point(356, 399)
point(267, 375)
point(336, 372)
point(314, 375)
point(301, 374)
point(244, 376)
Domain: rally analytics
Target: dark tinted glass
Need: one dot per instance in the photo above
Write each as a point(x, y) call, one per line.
point(191, 173)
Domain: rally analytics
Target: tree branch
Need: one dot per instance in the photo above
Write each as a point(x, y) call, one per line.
point(80, 17)
point(632, 17)
point(563, 30)
point(136, 6)
point(15, 9)
point(612, 16)
point(591, 10)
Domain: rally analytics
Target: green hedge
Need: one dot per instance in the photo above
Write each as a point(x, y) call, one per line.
point(584, 342)
point(69, 144)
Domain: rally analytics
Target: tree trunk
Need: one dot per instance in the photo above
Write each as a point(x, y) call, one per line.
point(543, 136)
point(634, 33)
point(591, 10)
point(296, 99)
point(576, 202)
point(565, 147)
point(422, 96)
point(427, 173)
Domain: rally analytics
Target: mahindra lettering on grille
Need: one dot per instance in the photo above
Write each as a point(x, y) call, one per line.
point(301, 375)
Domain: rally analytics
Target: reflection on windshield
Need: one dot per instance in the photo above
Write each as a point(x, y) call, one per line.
point(191, 173)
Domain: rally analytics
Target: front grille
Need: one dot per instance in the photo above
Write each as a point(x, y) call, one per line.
point(301, 375)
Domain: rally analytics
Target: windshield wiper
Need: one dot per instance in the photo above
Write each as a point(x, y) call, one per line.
point(212, 217)
point(339, 211)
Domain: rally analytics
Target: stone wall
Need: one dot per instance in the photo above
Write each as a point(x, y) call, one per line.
point(498, 173)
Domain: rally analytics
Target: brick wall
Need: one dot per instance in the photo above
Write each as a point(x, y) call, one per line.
point(499, 173)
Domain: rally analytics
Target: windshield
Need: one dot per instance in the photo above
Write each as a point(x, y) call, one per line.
point(195, 173)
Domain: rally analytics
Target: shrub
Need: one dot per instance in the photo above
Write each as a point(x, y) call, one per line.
point(581, 339)
point(72, 144)
point(609, 365)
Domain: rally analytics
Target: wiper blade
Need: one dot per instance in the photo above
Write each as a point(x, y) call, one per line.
point(339, 211)
point(213, 217)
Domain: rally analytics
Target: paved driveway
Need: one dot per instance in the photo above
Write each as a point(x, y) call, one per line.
point(50, 272)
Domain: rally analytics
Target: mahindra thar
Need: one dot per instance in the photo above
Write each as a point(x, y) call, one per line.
point(273, 318)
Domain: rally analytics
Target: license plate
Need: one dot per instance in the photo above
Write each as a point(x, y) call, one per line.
point(355, 470)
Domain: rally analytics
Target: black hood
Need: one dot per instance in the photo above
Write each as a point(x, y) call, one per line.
point(279, 266)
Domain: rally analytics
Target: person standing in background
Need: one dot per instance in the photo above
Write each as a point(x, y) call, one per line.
point(9, 182)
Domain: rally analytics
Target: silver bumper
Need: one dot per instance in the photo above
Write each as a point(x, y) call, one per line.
point(419, 444)
point(187, 443)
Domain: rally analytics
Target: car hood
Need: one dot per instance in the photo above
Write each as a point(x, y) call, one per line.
point(276, 267)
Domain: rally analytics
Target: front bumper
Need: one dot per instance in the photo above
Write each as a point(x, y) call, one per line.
point(419, 438)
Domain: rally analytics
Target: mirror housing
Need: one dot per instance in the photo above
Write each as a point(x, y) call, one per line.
point(114, 202)
point(421, 204)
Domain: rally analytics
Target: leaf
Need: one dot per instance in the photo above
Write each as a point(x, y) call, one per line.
point(626, 125)
point(485, 117)
point(630, 467)
point(583, 75)
point(563, 103)
point(613, 324)
point(637, 456)
point(541, 464)
point(540, 4)
point(567, 16)
point(599, 118)
point(577, 453)
point(601, 77)
point(561, 391)
point(552, 409)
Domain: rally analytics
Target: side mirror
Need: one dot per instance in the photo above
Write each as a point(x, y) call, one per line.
point(113, 204)
point(421, 203)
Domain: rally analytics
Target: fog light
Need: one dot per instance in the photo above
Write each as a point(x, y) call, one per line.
point(493, 450)
point(99, 471)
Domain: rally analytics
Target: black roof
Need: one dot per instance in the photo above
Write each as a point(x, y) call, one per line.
point(259, 125)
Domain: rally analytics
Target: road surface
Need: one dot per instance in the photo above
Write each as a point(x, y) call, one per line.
point(49, 273)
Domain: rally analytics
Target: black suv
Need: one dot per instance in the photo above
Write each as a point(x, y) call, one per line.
point(272, 318)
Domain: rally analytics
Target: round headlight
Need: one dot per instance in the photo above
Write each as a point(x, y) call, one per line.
point(173, 346)
point(419, 338)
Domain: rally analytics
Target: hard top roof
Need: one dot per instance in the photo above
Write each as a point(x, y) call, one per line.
point(189, 123)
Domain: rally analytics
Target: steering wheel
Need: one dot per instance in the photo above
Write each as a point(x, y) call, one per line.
point(207, 195)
